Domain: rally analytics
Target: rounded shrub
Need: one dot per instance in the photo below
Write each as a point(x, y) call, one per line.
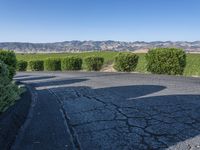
point(22, 65)
point(94, 63)
point(36, 65)
point(52, 64)
point(171, 61)
point(71, 63)
point(9, 58)
point(126, 62)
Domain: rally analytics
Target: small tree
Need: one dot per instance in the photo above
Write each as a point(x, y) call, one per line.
point(52, 64)
point(22, 65)
point(171, 61)
point(71, 63)
point(94, 63)
point(36, 65)
point(126, 62)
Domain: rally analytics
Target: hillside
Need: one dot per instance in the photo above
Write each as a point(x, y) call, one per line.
point(80, 46)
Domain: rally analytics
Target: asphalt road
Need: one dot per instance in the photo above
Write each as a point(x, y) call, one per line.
point(105, 111)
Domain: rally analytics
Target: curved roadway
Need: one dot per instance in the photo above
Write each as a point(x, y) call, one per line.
point(105, 111)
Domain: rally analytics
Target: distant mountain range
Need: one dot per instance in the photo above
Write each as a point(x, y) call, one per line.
point(79, 46)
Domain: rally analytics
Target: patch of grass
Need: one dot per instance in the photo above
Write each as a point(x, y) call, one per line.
point(192, 66)
point(141, 66)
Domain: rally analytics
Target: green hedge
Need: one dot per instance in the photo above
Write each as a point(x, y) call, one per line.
point(94, 63)
point(71, 63)
point(36, 65)
point(126, 62)
point(9, 92)
point(22, 65)
point(52, 64)
point(9, 58)
point(171, 61)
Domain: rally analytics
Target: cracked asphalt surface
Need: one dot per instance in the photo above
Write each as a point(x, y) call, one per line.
point(105, 111)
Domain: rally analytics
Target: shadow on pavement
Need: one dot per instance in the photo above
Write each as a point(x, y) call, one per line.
point(118, 118)
point(59, 82)
point(133, 91)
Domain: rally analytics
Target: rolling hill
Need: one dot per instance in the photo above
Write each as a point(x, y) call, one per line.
point(81, 46)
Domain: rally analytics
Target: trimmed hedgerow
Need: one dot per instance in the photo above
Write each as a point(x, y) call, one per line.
point(71, 63)
point(9, 58)
point(22, 65)
point(126, 62)
point(94, 63)
point(171, 61)
point(36, 65)
point(52, 64)
point(9, 92)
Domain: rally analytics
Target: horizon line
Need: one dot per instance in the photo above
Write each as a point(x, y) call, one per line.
point(102, 41)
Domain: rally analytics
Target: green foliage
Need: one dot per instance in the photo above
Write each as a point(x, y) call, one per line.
point(141, 66)
point(4, 72)
point(9, 92)
point(9, 58)
point(126, 62)
point(52, 64)
point(36, 65)
point(71, 63)
point(171, 61)
point(94, 63)
point(192, 65)
point(22, 65)
point(107, 55)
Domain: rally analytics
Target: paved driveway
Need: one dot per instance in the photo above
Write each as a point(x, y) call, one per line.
point(105, 111)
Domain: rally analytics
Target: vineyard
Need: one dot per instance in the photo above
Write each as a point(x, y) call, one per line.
point(192, 66)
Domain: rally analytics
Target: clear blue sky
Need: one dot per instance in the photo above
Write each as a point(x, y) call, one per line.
point(125, 20)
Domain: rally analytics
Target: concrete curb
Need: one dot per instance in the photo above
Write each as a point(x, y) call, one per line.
point(13, 119)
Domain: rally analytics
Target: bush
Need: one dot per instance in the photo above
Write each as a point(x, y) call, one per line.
point(126, 62)
point(36, 65)
point(22, 65)
point(171, 61)
point(52, 64)
point(71, 63)
point(94, 63)
point(9, 92)
point(4, 72)
point(9, 58)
